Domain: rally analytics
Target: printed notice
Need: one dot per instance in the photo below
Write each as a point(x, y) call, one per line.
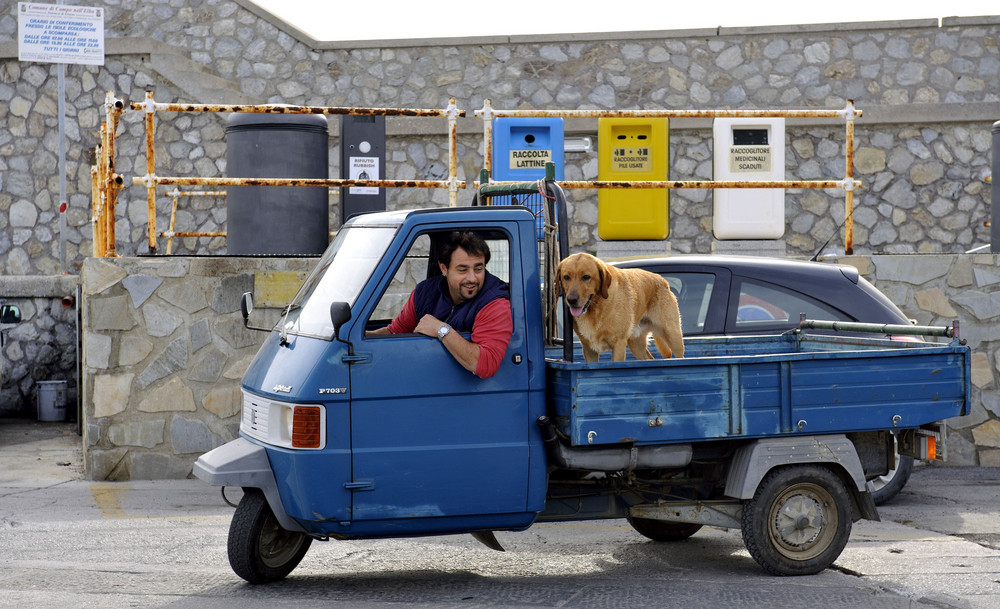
point(631, 159)
point(56, 33)
point(750, 159)
point(363, 168)
point(529, 159)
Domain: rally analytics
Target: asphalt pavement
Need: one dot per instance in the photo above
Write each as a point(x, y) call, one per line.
point(67, 541)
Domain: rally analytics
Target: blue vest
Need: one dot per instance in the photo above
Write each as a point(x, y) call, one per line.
point(432, 297)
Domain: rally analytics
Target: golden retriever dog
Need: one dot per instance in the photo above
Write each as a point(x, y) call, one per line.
point(615, 307)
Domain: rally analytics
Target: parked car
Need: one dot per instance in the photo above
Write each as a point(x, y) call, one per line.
point(730, 295)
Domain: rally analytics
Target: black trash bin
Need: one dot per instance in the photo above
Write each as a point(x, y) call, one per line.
point(278, 220)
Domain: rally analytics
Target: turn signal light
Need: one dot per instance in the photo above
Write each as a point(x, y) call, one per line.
point(306, 427)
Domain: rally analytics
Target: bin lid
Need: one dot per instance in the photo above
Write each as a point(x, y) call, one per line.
point(260, 121)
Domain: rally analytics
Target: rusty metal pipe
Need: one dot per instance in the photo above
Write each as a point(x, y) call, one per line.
point(290, 109)
point(343, 183)
point(679, 184)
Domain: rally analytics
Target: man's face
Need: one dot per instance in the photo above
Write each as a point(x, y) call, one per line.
point(465, 275)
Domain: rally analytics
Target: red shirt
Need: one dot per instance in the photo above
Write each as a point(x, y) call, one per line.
point(491, 331)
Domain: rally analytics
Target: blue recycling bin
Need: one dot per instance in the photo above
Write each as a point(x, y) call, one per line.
point(521, 147)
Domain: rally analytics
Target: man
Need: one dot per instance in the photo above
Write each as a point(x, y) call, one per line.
point(465, 298)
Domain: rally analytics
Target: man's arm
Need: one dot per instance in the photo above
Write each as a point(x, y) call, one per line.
point(404, 323)
point(491, 332)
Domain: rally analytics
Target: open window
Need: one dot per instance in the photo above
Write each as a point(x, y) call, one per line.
point(422, 262)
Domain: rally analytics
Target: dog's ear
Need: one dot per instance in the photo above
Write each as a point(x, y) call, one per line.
point(605, 275)
point(559, 281)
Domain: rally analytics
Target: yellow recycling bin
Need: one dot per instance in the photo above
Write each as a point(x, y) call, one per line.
point(632, 149)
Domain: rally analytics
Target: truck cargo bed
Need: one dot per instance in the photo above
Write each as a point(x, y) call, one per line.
point(758, 386)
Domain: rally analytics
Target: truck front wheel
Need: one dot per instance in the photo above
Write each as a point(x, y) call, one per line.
point(260, 550)
point(798, 521)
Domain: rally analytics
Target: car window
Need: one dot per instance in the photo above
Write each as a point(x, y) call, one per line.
point(694, 293)
point(764, 306)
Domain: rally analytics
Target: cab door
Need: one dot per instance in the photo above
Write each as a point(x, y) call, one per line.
point(429, 438)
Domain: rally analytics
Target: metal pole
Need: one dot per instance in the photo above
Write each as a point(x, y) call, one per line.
point(995, 192)
point(61, 71)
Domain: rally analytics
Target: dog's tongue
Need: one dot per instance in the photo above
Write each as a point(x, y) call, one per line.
point(576, 311)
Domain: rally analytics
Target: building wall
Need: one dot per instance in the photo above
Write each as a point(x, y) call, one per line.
point(164, 348)
point(929, 92)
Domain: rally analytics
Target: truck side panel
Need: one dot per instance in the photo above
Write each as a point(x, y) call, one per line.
point(833, 387)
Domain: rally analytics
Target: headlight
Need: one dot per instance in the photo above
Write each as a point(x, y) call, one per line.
point(300, 426)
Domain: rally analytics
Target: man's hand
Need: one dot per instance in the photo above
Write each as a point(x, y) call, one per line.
point(428, 326)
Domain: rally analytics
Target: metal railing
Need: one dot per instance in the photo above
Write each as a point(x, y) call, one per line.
point(107, 183)
point(849, 113)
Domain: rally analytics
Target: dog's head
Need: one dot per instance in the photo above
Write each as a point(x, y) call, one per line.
point(582, 278)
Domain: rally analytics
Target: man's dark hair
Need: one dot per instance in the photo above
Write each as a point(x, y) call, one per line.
point(469, 241)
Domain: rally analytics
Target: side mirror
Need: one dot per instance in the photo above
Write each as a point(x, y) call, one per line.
point(246, 307)
point(10, 314)
point(340, 314)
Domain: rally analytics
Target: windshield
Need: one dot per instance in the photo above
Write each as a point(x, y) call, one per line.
point(339, 276)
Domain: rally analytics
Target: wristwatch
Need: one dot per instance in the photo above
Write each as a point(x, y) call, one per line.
point(443, 331)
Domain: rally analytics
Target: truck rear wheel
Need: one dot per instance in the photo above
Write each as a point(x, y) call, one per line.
point(798, 521)
point(662, 530)
point(260, 550)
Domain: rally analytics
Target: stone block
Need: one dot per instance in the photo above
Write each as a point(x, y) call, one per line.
point(173, 396)
point(224, 401)
point(98, 275)
point(145, 433)
point(982, 372)
point(110, 313)
point(133, 349)
point(111, 394)
point(140, 288)
point(97, 351)
point(192, 436)
point(987, 434)
point(188, 296)
point(173, 359)
point(158, 466)
point(936, 302)
point(160, 320)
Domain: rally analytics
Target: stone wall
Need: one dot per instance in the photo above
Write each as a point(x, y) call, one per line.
point(936, 290)
point(929, 92)
point(164, 348)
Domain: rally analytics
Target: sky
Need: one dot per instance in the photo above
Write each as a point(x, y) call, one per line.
point(327, 20)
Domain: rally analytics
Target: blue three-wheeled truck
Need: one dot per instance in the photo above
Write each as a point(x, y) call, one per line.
point(350, 436)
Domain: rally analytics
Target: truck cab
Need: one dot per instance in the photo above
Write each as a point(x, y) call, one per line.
point(398, 420)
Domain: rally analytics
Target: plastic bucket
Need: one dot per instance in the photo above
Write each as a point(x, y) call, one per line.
point(52, 400)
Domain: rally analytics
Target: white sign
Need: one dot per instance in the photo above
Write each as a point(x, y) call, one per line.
point(750, 159)
point(363, 168)
point(54, 33)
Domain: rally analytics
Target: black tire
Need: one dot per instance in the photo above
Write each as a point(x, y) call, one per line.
point(886, 487)
point(798, 521)
point(260, 551)
point(662, 530)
